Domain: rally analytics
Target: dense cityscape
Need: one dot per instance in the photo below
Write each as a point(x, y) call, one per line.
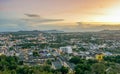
point(59, 52)
point(59, 36)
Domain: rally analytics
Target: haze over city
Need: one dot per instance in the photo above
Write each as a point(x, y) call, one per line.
point(59, 36)
point(65, 15)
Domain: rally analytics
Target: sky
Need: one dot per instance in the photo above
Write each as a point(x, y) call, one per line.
point(66, 15)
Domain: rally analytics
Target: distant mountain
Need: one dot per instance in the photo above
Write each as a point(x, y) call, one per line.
point(53, 31)
point(110, 31)
point(36, 32)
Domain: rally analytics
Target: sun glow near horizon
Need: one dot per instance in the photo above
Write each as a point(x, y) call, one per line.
point(112, 16)
point(82, 15)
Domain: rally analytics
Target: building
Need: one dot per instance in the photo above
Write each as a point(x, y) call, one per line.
point(67, 49)
point(99, 57)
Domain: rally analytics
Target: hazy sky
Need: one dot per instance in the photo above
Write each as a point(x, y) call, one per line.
point(59, 14)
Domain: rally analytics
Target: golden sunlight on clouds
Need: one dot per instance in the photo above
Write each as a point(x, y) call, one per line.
point(111, 16)
point(101, 11)
point(72, 15)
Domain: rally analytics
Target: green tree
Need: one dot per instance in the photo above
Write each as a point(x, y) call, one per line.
point(82, 68)
point(35, 53)
point(48, 62)
point(64, 70)
point(98, 68)
point(77, 60)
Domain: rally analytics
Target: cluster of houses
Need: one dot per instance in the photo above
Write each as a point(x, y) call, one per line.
point(59, 56)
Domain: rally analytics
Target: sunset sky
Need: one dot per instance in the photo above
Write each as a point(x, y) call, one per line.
point(66, 15)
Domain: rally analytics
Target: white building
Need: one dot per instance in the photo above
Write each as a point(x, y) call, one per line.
point(67, 49)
